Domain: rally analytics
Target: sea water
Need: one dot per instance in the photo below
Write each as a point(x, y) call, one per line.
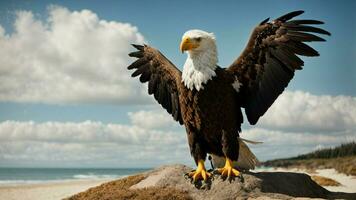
point(19, 176)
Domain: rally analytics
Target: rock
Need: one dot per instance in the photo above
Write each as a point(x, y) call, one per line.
point(171, 183)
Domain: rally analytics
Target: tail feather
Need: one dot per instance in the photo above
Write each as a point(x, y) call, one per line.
point(249, 141)
point(247, 160)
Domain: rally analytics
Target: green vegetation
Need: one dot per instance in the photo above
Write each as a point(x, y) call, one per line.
point(344, 150)
point(341, 158)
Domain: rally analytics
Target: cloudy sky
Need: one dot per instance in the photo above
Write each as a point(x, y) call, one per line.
point(67, 100)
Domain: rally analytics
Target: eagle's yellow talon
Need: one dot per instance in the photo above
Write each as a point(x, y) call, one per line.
point(191, 174)
point(200, 173)
point(235, 172)
point(224, 172)
point(228, 170)
point(203, 174)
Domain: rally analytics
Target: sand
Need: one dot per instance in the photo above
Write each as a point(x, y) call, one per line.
point(47, 191)
point(348, 183)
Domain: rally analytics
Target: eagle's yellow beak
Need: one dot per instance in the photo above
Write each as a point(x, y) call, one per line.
point(187, 44)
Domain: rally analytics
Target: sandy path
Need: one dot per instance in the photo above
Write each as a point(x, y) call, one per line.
point(47, 191)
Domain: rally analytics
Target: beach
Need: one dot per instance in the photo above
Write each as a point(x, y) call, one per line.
point(348, 183)
point(54, 183)
point(62, 189)
point(47, 191)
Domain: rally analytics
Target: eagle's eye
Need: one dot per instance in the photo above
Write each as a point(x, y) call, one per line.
point(198, 39)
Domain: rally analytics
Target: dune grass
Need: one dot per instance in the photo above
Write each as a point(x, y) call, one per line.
point(324, 181)
point(342, 158)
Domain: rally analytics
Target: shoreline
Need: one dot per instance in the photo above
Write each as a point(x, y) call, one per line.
point(48, 191)
point(55, 182)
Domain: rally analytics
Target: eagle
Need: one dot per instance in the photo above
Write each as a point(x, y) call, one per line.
point(208, 99)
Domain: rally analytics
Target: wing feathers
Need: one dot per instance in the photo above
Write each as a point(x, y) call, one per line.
point(305, 21)
point(140, 70)
point(162, 77)
point(145, 76)
point(264, 21)
point(138, 47)
point(137, 63)
point(289, 15)
point(275, 46)
point(279, 71)
point(137, 54)
point(300, 48)
point(294, 27)
point(304, 37)
point(152, 84)
point(289, 60)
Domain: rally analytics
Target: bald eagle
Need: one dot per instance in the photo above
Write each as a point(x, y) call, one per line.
point(208, 99)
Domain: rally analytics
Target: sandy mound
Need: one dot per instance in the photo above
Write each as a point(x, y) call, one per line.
point(168, 182)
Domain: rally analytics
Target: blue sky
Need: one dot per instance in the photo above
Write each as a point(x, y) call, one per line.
point(161, 24)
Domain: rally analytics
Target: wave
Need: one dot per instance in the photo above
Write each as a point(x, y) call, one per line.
point(73, 178)
point(96, 176)
point(29, 182)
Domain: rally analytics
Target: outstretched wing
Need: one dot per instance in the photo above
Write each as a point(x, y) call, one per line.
point(162, 77)
point(270, 59)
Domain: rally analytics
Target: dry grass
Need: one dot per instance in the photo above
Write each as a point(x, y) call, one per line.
point(323, 181)
point(119, 190)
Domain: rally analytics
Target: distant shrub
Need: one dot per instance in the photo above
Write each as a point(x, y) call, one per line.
point(341, 158)
point(344, 150)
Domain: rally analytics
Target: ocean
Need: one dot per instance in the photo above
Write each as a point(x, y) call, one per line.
point(20, 176)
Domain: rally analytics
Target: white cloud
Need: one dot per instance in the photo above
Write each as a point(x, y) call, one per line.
point(304, 112)
point(71, 57)
point(84, 132)
point(277, 144)
point(93, 143)
point(150, 119)
point(299, 122)
point(97, 144)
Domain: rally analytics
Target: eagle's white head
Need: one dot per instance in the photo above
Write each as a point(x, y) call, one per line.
point(202, 59)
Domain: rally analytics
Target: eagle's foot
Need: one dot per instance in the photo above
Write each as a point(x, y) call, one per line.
point(200, 177)
point(228, 171)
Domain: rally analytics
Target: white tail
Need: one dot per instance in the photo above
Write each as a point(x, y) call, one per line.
point(247, 160)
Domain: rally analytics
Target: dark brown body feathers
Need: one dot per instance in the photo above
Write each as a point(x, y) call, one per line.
point(209, 124)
